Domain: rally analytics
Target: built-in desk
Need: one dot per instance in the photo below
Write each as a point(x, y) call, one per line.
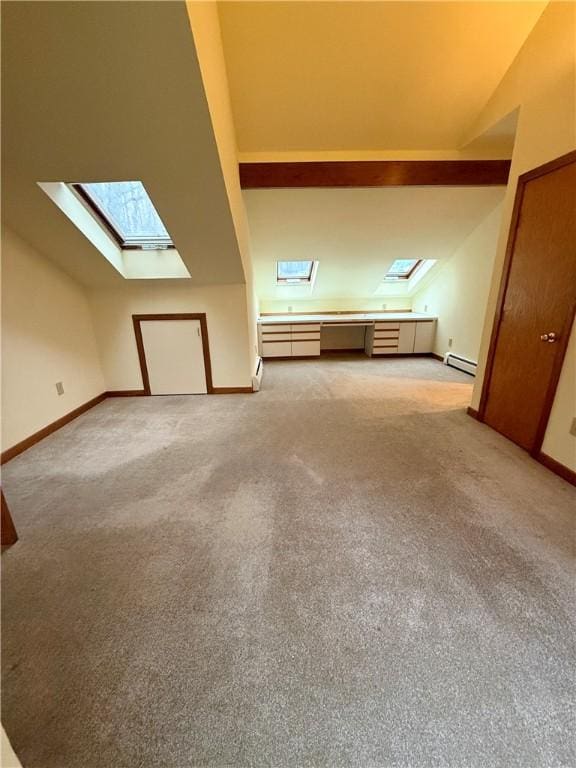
point(390, 333)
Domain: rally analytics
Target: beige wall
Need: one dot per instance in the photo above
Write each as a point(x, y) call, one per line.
point(8, 758)
point(84, 129)
point(47, 336)
point(542, 81)
point(205, 25)
point(225, 308)
point(344, 337)
point(355, 235)
point(53, 331)
point(457, 291)
point(558, 442)
point(400, 303)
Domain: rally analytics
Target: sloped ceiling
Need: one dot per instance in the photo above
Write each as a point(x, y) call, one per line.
point(355, 234)
point(330, 76)
point(98, 91)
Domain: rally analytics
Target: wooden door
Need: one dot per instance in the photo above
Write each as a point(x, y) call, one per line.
point(536, 305)
point(8, 533)
point(174, 357)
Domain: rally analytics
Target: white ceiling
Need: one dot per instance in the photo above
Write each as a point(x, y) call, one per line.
point(355, 234)
point(102, 91)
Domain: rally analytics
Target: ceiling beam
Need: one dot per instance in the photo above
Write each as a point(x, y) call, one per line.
point(376, 173)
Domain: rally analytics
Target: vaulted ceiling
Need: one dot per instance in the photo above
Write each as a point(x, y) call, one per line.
point(104, 91)
point(330, 76)
point(97, 91)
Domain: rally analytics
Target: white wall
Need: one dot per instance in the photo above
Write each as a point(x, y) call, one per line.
point(542, 81)
point(457, 290)
point(47, 336)
point(225, 308)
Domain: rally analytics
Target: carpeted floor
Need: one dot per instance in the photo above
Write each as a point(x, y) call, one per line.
point(342, 570)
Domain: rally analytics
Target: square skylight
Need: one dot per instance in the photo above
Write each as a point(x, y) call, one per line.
point(402, 269)
point(294, 271)
point(126, 210)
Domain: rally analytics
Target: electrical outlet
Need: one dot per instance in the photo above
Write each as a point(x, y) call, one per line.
point(59, 387)
point(450, 342)
point(290, 309)
point(573, 427)
point(384, 306)
point(425, 307)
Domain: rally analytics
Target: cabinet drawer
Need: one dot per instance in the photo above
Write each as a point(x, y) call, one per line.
point(389, 349)
point(271, 327)
point(276, 348)
point(386, 334)
point(276, 336)
point(305, 348)
point(295, 327)
point(311, 336)
point(379, 326)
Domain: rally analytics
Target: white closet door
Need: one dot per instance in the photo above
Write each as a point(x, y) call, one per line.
point(174, 357)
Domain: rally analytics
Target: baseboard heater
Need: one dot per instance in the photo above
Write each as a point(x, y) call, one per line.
point(462, 363)
point(257, 378)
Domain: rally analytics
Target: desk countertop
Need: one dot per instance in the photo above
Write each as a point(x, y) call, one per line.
point(368, 317)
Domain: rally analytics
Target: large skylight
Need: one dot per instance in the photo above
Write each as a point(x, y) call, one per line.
point(126, 210)
point(402, 269)
point(294, 271)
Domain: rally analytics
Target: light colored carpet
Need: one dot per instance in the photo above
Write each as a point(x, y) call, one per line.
point(342, 570)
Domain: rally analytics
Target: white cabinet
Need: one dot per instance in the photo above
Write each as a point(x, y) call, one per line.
point(406, 338)
point(305, 335)
point(306, 340)
point(382, 338)
point(424, 338)
point(400, 338)
point(276, 349)
point(306, 328)
point(306, 348)
point(275, 340)
point(284, 340)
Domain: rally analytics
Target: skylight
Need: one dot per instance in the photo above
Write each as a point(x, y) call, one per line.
point(126, 210)
point(294, 271)
point(402, 269)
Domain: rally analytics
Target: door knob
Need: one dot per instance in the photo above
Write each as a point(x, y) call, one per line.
point(549, 337)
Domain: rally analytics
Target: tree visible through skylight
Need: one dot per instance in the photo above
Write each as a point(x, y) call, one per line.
point(129, 210)
point(295, 271)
